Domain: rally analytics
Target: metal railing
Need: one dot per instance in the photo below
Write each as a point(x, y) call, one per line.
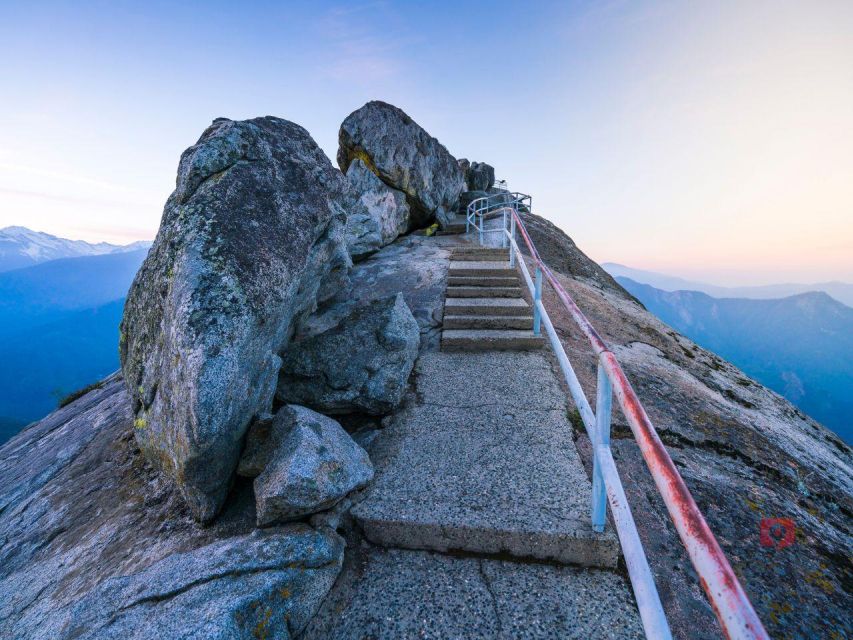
point(728, 599)
point(487, 207)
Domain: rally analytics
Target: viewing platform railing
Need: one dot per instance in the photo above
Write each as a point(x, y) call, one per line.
point(725, 593)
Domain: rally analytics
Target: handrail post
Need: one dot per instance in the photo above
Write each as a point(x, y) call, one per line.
point(604, 397)
point(537, 297)
point(503, 228)
point(512, 235)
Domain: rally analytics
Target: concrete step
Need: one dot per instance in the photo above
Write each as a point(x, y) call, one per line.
point(485, 306)
point(480, 255)
point(454, 228)
point(484, 462)
point(483, 281)
point(488, 322)
point(488, 268)
point(483, 292)
point(490, 340)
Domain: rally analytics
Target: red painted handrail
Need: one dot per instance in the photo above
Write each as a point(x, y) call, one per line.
point(728, 599)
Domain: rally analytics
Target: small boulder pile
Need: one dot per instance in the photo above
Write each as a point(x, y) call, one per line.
point(260, 230)
point(250, 241)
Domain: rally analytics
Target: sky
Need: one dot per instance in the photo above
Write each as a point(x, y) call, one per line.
point(709, 140)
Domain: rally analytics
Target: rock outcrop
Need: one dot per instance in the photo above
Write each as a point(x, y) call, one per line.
point(376, 213)
point(79, 505)
point(247, 274)
point(744, 452)
point(282, 576)
point(403, 156)
point(96, 543)
point(306, 463)
point(360, 365)
point(250, 239)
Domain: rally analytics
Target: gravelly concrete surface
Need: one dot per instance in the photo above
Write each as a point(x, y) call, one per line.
point(394, 593)
point(482, 460)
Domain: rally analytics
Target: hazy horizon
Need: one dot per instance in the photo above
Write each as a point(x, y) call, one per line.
point(711, 141)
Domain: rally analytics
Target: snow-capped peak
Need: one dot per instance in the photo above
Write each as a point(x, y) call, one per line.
point(22, 247)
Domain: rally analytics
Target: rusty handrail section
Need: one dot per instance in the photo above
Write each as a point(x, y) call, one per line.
point(734, 611)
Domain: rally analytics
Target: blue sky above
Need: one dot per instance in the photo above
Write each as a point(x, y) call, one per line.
point(706, 139)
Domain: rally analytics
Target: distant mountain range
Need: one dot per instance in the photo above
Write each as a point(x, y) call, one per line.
point(841, 291)
point(22, 247)
point(800, 346)
point(59, 329)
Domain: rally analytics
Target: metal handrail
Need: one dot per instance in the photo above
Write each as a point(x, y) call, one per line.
point(493, 203)
point(734, 611)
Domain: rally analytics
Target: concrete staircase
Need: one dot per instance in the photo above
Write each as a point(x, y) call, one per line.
point(484, 309)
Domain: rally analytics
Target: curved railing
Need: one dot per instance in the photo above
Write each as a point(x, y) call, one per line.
point(501, 202)
point(728, 599)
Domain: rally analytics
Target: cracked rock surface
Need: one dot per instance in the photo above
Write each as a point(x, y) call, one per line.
point(267, 584)
point(387, 594)
point(376, 213)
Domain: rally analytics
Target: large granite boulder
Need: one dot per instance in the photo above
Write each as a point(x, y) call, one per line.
point(267, 584)
point(360, 365)
point(376, 213)
point(405, 157)
point(249, 241)
point(480, 176)
point(306, 463)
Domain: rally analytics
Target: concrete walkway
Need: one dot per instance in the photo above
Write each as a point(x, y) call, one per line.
point(482, 460)
point(477, 523)
point(394, 594)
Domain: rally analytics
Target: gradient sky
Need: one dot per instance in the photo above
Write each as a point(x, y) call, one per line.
point(710, 140)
